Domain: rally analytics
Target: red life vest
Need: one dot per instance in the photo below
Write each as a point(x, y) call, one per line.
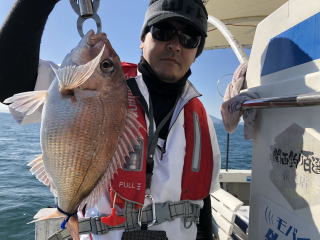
point(130, 184)
point(129, 69)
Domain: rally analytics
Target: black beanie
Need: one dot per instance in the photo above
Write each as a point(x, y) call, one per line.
point(192, 12)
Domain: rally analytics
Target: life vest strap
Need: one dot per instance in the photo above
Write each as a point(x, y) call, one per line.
point(167, 211)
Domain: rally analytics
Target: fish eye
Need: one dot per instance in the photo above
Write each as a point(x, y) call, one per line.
point(107, 66)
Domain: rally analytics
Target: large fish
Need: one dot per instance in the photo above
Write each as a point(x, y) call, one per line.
point(88, 124)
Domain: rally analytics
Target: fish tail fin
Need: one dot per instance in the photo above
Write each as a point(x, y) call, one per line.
point(47, 213)
point(71, 77)
point(27, 102)
point(52, 213)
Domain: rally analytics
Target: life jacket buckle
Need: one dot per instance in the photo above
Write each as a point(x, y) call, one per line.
point(154, 217)
point(187, 222)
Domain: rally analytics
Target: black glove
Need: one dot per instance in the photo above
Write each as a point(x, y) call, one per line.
point(20, 38)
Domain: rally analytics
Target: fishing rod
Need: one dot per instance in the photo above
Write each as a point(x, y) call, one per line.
point(86, 9)
point(220, 81)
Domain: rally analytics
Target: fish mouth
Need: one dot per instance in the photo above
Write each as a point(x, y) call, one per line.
point(93, 38)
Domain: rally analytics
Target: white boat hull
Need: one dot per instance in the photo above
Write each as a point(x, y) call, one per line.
point(285, 61)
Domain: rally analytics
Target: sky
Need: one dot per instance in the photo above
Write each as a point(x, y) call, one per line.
point(122, 21)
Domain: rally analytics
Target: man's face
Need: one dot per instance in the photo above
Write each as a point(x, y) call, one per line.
point(168, 59)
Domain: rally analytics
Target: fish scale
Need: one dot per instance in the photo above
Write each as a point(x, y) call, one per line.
point(74, 127)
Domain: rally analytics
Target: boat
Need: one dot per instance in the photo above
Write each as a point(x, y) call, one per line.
point(283, 68)
point(278, 198)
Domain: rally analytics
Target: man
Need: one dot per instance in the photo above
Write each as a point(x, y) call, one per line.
point(183, 158)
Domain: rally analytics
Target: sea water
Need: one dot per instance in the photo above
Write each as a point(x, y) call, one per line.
point(21, 195)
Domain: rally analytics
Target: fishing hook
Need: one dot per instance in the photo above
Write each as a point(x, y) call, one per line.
point(86, 9)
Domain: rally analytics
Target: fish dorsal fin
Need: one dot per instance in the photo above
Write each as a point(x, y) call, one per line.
point(38, 170)
point(126, 142)
point(27, 102)
point(71, 77)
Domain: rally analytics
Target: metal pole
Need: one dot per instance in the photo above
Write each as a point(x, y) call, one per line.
point(304, 100)
point(227, 154)
point(236, 47)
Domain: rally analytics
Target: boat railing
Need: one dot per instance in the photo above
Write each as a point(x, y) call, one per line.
point(304, 100)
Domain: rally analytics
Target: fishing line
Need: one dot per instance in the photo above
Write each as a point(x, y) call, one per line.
point(223, 80)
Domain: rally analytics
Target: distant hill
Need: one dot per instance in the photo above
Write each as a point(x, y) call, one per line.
point(219, 121)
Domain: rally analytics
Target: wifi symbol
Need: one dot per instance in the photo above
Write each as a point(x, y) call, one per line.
point(268, 216)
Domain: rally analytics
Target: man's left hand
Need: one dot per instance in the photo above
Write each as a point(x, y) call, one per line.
point(231, 113)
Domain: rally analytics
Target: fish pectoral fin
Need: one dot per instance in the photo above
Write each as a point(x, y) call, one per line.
point(27, 102)
point(38, 170)
point(71, 77)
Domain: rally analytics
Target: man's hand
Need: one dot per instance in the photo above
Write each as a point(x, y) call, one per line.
point(231, 113)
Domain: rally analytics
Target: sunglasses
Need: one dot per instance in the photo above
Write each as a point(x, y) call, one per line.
point(165, 32)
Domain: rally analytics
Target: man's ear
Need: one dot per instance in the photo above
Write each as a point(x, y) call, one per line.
point(142, 41)
point(141, 44)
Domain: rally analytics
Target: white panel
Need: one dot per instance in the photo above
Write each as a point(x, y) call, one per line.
point(223, 235)
point(235, 175)
point(228, 200)
point(223, 210)
point(219, 234)
point(222, 222)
